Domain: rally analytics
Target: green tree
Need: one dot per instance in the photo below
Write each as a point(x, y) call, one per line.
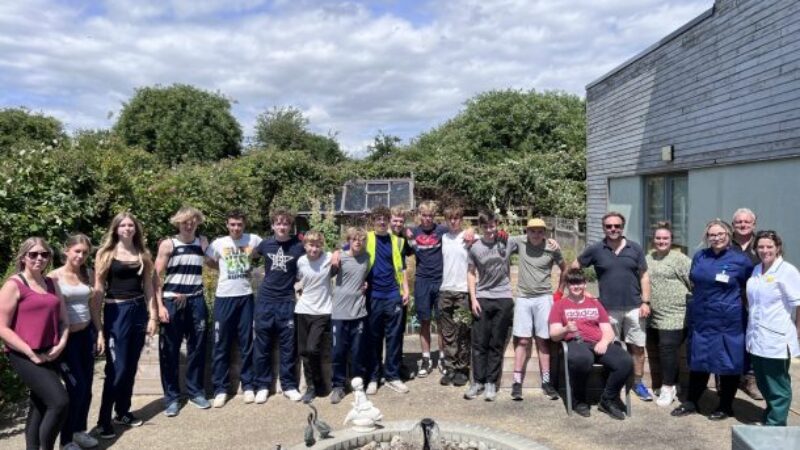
point(19, 126)
point(180, 123)
point(286, 128)
point(383, 145)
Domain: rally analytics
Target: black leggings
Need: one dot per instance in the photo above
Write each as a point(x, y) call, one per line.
point(48, 404)
point(663, 348)
point(727, 389)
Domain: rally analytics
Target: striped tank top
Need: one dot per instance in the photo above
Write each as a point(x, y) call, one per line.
point(184, 269)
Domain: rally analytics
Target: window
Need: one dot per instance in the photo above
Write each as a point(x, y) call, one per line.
point(667, 198)
point(362, 195)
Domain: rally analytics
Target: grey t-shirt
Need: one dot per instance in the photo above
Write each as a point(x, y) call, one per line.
point(348, 301)
point(491, 262)
point(535, 266)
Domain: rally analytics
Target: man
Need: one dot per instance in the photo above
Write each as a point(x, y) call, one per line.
point(233, 306)
point(533, 303)
point(182, 310)
point(454, 303)
point(426, 240)
point(624, 289)
point(387, 294)
point(492, 305)
point(744, 226)
point(274, 310)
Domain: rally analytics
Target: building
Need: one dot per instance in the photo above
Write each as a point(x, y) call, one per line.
point(701, 123)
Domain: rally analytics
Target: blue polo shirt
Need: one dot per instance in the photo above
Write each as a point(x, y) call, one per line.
point(617, 275)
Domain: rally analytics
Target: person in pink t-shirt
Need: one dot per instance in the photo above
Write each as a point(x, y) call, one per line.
point(582, 322)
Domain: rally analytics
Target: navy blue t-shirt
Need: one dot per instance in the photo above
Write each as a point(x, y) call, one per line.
point(381, 278)
point(280, 268)
point(618, 276)
point(427, 247)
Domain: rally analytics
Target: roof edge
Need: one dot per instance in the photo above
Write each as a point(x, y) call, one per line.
point(703, 16)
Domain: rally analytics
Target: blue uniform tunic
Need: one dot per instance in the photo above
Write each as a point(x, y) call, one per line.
point(716, 316)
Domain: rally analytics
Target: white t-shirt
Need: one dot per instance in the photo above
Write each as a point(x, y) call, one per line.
point(456, 262)
point(234, 263)
point(315, 279)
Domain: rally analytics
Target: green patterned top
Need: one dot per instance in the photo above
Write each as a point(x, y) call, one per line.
point(670, 285)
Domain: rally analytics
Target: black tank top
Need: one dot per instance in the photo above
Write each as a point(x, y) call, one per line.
point(124, 280)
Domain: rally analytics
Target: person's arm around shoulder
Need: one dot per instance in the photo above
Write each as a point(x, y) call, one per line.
point(9, 298)
point(162, 259)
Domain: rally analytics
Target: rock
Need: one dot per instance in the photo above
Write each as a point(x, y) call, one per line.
point(482, 446)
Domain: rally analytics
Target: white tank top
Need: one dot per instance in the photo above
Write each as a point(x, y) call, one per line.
point(77, 299)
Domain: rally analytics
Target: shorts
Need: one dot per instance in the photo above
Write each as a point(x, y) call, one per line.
point(530, 316)
point(426, 298)
point(628, 326)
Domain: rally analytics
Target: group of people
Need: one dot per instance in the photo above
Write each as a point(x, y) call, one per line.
point(733, 303)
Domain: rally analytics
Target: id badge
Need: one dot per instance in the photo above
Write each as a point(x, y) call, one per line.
point(723, 278)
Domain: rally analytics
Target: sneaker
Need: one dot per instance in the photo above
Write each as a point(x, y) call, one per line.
point(460, 379)
point(549, 391)
point(71, 446)
point(642, 392)
point(129, 419)
point(516, 391)
point(261, 396)
point(442, 366)
point(667, 396)
point(104, 432)
point(424, 368)
point(200, 402)
point(684, 409)
point(582, 409)
point(475, 389)
point(220, 399)
point(293, 395)
point(337, 394)
point(309, 395)
point(610, 407)
point(447, 379)
point(398, 386)
point(490, 393)
point(249, 396)
point(172, 409)
point(372, 388)
point(84, 440)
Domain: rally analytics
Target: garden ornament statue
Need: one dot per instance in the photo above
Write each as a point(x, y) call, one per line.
point(426, 434)
point(322, 427)
point(308, 437)
point(364, 414)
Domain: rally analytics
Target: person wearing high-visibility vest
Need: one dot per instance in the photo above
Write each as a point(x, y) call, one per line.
point(387, 294)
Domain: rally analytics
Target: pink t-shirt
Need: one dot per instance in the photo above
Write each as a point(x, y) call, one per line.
point(587, 315)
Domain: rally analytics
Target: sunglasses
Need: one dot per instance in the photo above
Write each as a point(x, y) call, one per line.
point(613, 226)
point(34, 255)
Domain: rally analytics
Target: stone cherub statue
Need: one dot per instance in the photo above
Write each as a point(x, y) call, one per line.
point(364, 415)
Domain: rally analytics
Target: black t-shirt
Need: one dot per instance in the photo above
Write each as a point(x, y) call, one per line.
point(280, 268)
point(617, 275)
point(427, 247)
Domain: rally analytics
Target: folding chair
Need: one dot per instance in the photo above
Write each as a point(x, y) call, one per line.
point(595, 366)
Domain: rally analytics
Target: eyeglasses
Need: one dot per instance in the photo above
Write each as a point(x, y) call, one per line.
point(716, 235)
point(613, 226)
point(34, 255)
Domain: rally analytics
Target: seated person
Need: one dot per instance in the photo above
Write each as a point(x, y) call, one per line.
point(582, 322)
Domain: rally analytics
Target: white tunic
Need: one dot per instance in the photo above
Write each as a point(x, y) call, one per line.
point(772, 296)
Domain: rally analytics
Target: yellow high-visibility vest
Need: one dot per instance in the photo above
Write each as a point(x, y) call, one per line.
point(397, 256)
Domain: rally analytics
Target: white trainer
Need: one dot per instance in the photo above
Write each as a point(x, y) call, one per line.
point(372, 388)
point(71, 446)
point(398, 386)
point(83, 439)
point(666, 396)
point(249, 396)
point(261, 396)
point(293, 395)
point(220, 399)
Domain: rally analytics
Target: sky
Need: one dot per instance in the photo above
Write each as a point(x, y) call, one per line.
point(352, 67)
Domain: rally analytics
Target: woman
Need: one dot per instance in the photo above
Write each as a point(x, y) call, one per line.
point(75, 284)
point(669, 281)
point(124, 283)
point(716, 320)
point(34, 328)
point(773, 292)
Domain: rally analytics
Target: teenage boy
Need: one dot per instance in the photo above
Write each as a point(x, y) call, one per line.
point(533, 303)
point(426, 240)
point(274, 310)
point(454, 304)
point(182, 310)
point(233, 306)
point(582, 322)
point(397, 224)
point(349, 316)
point(313, 311)
point(388, 293)
point(492, 305)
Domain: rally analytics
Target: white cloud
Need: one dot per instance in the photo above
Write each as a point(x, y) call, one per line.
point(350, 68)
